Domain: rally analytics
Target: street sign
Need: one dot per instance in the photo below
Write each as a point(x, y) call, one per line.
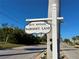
point(37, 27)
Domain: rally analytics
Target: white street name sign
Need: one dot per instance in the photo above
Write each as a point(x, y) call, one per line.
point(37, 27)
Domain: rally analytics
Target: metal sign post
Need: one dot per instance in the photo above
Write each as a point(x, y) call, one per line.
point(35, 22)
point(53, 18)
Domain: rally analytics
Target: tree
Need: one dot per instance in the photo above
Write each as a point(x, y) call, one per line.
point(17, 35)
point(77, 37)
point(74, 39)
point(44, 38)
point(67, 41)
point(77, 40)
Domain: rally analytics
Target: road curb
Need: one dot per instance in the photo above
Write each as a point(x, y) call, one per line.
point(62, 55)
point(40, 55)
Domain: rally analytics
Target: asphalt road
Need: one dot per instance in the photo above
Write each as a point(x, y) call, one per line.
point(26, 52)
point(70, 52)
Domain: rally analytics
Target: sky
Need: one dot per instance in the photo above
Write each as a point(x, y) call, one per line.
point(15, 12)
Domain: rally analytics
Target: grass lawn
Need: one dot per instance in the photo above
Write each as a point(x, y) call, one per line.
point(8, 45)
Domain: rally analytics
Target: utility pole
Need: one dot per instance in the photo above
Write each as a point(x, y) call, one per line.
point(53, 12)
point(55, 29)
point(49, 35)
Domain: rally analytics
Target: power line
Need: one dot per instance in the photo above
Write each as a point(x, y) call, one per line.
point(9, 16)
